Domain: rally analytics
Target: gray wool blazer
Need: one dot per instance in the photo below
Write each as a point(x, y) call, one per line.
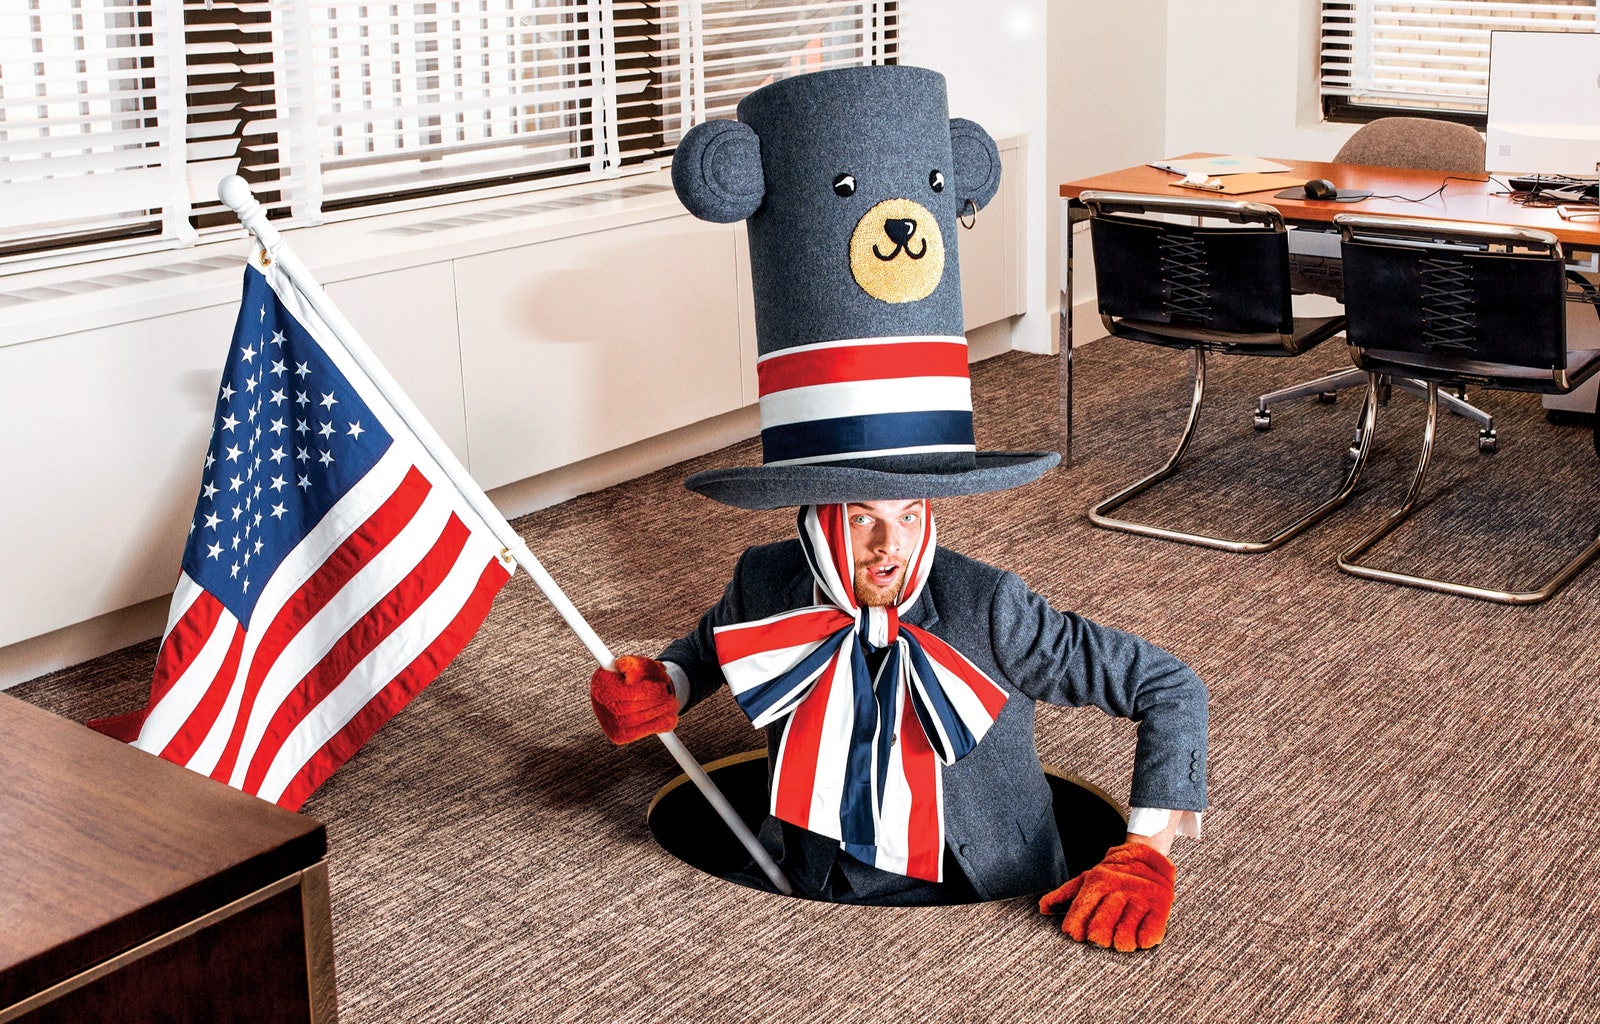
point(999, 825)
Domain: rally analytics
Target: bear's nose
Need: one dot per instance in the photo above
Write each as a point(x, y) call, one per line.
point(899, 229)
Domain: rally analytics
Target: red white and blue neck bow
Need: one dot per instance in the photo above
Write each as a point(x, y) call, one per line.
point(861, 752)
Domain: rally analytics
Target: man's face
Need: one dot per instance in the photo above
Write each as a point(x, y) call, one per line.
point(882, 536)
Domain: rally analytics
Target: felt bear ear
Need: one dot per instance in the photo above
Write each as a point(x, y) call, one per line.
point(977, 171)
point(716, 171)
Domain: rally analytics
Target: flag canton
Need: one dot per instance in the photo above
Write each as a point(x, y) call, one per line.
point(291, 437)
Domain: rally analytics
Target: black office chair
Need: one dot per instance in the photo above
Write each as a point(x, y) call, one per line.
point(1418, 143)
point(1452, 303)
point(1221, 285)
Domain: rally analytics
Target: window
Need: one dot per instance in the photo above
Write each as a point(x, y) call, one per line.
point(118, 117)
point(1380, 58)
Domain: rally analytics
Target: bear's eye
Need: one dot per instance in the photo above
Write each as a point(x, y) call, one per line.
point(936, 180)
point(844, 185)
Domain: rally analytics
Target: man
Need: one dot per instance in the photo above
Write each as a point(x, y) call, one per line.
point(999, 831)
point(896, 682)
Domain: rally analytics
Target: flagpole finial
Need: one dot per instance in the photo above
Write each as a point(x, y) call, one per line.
point(235, 194)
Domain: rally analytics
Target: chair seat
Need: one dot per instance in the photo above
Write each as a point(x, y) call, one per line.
point(1447, 369)
point(1309, 331)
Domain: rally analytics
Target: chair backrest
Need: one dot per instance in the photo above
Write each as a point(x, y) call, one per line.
point(1420, 143)
point(1229, 274)
point(1454, 300)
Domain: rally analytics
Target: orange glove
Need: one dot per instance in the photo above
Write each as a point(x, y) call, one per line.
point(635, 700)
point(1123, 901)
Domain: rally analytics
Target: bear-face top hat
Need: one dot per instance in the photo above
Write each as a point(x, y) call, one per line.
point(851, 182)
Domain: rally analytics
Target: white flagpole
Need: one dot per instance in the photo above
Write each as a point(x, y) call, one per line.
point(234, 192)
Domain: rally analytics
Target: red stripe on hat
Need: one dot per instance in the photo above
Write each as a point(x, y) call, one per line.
point(837, 364)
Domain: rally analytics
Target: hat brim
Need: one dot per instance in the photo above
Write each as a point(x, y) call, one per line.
point(769, 487)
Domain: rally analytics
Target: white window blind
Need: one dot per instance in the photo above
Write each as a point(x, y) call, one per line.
point(1428, 56)
point(118, 117)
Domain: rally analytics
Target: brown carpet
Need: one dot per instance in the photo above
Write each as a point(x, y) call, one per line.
point(1403, 783)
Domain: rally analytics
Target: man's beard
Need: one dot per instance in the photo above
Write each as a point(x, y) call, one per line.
point(872, 595)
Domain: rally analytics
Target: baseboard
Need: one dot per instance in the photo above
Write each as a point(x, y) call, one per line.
point(70, 645)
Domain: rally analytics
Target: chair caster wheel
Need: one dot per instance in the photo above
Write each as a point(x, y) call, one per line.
point(1263, 419)
point(1487, 441)
point(1327, 397)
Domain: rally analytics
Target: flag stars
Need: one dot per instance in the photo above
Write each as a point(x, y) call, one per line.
point(259, 545)
point(356, 430)
point(301, 398)
point(257, 492)
point(251, 415)
point(301, 426)
point(278, 397)
point(233, 571)
point(278, 510)
point(247, 354)
point(233, 452)
point(235, 483)
point(278, 365)
point(303, 482)
point(327, 458)
point(277, 455)
point(238, 510)
point(278, 483)
point(250, 384)
point(214, 551)
point(229, 422)
point(328, 401)
point(245, 587)
point(301, 454)
point(212, 520)
point(325, 429)
point(302, 370)
point(278, 426)
point(227, 391)
point(277, 337)
point(211, 460)
point(209, 490)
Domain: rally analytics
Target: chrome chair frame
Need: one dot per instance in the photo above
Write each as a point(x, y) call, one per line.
point(1420, 143)
point(1428, 235)
point(1293, 336)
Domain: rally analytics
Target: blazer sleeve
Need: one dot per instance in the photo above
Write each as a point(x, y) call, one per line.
point(696, 653)
point(1064, 658)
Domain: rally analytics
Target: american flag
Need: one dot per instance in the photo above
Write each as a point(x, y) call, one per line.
point(331, 569)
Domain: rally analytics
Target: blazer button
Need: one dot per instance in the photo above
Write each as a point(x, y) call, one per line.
point(962, 849)
point(1194, 776)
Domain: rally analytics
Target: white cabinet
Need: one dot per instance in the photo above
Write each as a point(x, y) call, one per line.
point(578, 346)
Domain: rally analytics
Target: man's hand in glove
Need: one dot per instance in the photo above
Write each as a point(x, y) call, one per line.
point(1121, 902)
point(634, 700)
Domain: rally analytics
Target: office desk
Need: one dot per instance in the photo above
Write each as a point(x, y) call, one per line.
point(1464, 198)
point(135, 890)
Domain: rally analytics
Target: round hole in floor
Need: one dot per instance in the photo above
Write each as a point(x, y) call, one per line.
point(687, 827)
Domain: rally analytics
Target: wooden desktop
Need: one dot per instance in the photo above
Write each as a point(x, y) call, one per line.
point(1465, 197)
point(132, 889)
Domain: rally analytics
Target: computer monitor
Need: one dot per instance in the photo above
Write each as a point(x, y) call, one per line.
point(1544, 103)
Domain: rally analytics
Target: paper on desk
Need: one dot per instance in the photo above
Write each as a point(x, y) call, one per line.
point(1238, 184)
point(1214, 166)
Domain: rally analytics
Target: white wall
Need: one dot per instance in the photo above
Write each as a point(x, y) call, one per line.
point(1241, 78)
point(1084, 79)
point(994, 68)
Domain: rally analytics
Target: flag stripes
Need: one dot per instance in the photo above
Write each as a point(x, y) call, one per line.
point(332, 569)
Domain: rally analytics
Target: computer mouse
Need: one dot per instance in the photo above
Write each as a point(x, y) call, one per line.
point(1321, 188)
